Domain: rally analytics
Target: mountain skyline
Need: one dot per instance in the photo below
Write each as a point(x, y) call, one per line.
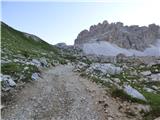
point(69, 18)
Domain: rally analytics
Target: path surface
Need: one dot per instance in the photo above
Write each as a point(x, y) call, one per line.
point(62, 95)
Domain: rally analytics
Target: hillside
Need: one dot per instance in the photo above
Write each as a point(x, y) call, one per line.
point(23, 55)
point(21, 43)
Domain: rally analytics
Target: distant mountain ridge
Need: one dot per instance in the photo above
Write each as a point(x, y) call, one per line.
point(129, 37)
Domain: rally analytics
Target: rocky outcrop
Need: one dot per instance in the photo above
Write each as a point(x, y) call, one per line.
point(61, 45)
point(130, 37)
point(30, 36)
point(7, 82)
point(104, 68)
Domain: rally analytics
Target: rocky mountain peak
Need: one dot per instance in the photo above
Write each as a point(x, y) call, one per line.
point(129, 37)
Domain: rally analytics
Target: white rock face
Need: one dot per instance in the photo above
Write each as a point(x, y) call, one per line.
point(133, 92)
point(104, 68)
point(129, 37)
point(109, 49)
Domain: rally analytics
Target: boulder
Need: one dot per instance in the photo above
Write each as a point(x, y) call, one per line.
point(61, 45)
point(104, 68)
point(7, 82)
point(35, 76)
point(11, 82)
point(133, 92)
point(36, 62)
point(80, 66)
point(120, 57)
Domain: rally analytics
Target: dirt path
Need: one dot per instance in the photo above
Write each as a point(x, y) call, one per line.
point(63, 95)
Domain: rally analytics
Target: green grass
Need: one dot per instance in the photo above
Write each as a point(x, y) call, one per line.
point(17, 69)
point(154, 102)
point(10, 68)
point(151, 83)
point(154, 68)
point(70, 57)
point(83, 74)
point(15, 41)
point(62, 61)
point(87, 61)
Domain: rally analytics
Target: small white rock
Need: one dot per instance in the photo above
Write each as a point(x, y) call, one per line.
point(146, 73)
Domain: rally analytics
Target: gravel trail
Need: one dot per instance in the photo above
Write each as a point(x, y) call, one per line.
point(62, 95)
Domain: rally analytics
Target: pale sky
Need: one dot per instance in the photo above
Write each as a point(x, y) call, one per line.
point(62, 20)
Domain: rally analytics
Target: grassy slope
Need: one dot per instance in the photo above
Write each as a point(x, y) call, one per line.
point(15, 44)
